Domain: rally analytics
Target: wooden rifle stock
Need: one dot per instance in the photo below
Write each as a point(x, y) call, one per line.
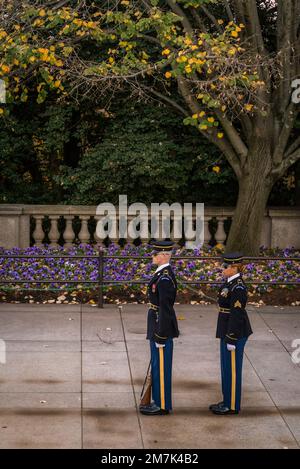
point(146, 391)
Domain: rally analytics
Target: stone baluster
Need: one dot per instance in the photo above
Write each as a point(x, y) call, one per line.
point(189, 227)
point(68, 233)
point(54, 233)
point(130, 232)
point(176, 229)
point(145, 234)
point(99, 241)
point(38, 234)
point(160, 228)
point(84, 234)
point(220, 235)
point(207, 234)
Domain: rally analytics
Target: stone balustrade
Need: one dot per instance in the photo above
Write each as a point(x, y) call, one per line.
point(25, 225)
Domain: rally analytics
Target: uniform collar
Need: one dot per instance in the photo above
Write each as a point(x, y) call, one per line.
point(233, 277)
point(161, 267)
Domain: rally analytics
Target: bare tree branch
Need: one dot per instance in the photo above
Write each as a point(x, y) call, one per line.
point(247, 127)
point(56, 5)
point(284, 48)
point(168, 100)
point(293, 147)
point(239, 7)
point(223, 144)
point(184, 19)
point(198, 20)
point(249, 13)
point(290, 160)
point(287, 126)
point(234, 137)
point(212, 18)
point(226, 148)
point(188, 95)
point(228, 10)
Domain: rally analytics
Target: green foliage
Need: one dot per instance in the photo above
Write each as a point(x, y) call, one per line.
point(196, 3)
point(146, 153)
point(32, 146)
point(85, 155)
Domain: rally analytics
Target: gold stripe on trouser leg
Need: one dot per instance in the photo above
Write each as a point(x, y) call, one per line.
point(233, 379)
point(162, 377)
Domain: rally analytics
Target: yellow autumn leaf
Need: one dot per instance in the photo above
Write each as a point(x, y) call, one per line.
point(37, 22)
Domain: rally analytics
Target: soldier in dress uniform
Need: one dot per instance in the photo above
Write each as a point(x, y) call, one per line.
point(162, 327)
point(233, 329)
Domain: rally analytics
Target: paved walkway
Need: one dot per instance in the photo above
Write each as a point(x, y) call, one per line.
point(74, 373)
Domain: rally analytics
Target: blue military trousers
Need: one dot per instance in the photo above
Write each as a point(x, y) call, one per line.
point(231, 373)
point(161, 372)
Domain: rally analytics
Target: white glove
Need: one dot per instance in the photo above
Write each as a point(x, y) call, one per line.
point(159, 345)
point(230, 347)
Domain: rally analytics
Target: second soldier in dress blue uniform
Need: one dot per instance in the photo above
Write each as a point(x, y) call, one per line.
point(162, 327)
point(233, 330)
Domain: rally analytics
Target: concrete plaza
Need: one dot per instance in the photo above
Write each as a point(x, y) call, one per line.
point(73, 376)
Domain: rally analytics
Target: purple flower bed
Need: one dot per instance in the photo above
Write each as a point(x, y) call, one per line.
point(128, 270)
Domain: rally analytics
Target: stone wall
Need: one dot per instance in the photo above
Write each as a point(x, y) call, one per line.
point(281, 226)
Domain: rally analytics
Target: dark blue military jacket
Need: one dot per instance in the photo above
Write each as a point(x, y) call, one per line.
point(162, 321)
point(233, 321)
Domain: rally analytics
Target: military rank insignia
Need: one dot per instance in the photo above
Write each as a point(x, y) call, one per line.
point(153, 288)
point(237, 304)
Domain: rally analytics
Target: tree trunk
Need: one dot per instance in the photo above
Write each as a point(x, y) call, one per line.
point(254, 190)
point(297, 184)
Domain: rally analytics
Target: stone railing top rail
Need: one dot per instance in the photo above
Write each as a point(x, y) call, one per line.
point(30, 209)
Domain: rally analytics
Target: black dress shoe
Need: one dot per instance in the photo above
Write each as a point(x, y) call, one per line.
point(153, 410)
point(141, 406)
point(215, 406)
point(222, 410)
